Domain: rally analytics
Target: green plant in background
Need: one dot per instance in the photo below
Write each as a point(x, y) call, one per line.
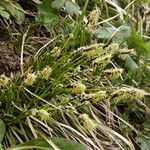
point(9, 8)
point(49, 14)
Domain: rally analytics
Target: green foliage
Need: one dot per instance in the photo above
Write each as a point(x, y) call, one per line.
point(47, 16)
point(137, 42)
point(71, 8)
point(144, 138)
point(4, 13)
point(64, 144)
point(142, 1)
point(61, 143)
point(2, 130)
point(8, 9)
point(118, 35)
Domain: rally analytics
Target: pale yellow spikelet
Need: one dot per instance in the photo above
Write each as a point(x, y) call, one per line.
point(94, 17)
point(30, 78)
point(92, 50)
point(46, 72)
point(87, 122)
point(113, 74)
point(71, 36)
point(112, 48)
point(43, 114)
point(4, 80)
point(56, 52)
point(124, 52)
point(137, 94)
point(102, 61)
point(96, 97)
point(78, 88)
point(127, 93)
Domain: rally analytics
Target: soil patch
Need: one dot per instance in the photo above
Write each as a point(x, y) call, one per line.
point(9, 61)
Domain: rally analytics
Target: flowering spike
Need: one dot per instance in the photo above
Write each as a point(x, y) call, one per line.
point(46, 72)
point(30, 78)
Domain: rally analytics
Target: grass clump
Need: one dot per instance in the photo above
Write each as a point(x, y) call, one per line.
point(61, 97)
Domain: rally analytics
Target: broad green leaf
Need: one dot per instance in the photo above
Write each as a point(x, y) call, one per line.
point(130, 64)
point(2, 8)
point(107, 32)
point(72, 8)
point(58, 4)
point(144, 142)
point(2, 130)
point(63, 144)
point(36, 143)
point(124, 32)
point(5, 14)
point(48, 16)
point(14, 9)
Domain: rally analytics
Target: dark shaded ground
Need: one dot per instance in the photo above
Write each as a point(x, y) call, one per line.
point(9, 61)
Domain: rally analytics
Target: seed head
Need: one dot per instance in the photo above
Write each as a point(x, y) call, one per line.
point(43, 114)
point(93, 52)
point(123, 52)
point(112, 48)
point(102, 61)
point(56, 52)
point(96, 97)
point(4, 80)
point(30, 78)
point(78, 88)
point(94, 17)
point(127, 93)
point(46, 72)
point(113, 74)
point(87, 122)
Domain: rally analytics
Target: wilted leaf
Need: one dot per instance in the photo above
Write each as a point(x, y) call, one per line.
point(72, 8)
